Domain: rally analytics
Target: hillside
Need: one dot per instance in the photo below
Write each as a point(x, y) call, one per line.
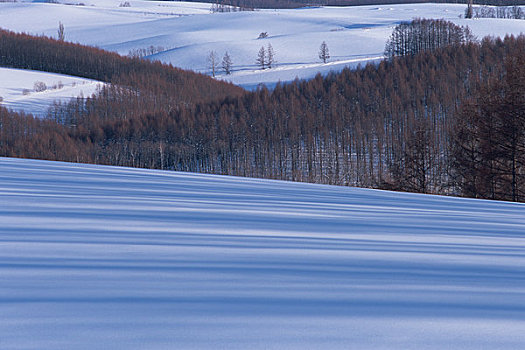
point(100, 257)
point(187, 32)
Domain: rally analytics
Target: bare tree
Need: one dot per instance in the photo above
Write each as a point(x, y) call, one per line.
point(324, 54)
point(61, 34)
point(468, 12)
point(270, 60)
point(261, 58)
point(213, 62)
point(227, 63)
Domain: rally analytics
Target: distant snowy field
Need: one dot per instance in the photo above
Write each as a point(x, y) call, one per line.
point(17, 89)
point(95, 257)
point(188, 32)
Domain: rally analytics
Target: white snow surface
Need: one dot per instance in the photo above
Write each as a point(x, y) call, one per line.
point(95, 257)
point(18, 93)
point(188, 32)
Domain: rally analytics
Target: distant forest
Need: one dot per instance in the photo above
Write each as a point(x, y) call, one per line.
point(280, 4)
point(446, 121)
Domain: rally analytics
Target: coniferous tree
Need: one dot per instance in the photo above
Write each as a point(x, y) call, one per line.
point(227, 63)
point(324, 53)
point(61, 32)
point(261, 58)
point(270, 56)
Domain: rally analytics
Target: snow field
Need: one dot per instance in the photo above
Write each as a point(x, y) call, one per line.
point(188, 32)
point(17, 89)
point(95, 257)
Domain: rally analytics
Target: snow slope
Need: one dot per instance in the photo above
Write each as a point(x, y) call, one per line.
point(188, 32)
point(18, 93)
point(95, 257)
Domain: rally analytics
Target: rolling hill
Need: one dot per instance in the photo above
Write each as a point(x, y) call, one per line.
point(186, 32)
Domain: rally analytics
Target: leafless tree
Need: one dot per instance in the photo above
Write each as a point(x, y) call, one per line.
point(213, 62)
point(227, 63)
point(61, 34)
point(261, 58)
point(324, 54)
point(469, 12)
point(270, 60)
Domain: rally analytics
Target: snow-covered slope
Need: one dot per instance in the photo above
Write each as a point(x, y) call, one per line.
point(187, 32)
point(17, 89)
point(95, 257)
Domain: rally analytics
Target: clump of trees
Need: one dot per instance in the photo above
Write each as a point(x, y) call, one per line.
point(143, 52)
point(39, 86)
point(214, 64)
point(509, 12)
point(410, 38)
point(265, 57)
point(220, 6)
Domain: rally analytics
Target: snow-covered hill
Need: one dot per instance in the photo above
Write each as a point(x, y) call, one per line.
point(95, 257)
point(187, 32)
point(17, 89)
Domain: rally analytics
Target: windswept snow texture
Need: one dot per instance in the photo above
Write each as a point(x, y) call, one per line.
point(95, 257)
point(17, 89)
point(188, 32)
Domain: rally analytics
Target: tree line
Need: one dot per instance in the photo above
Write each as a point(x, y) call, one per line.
point(448, 121)
point(287, 4)
point(508, 12)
